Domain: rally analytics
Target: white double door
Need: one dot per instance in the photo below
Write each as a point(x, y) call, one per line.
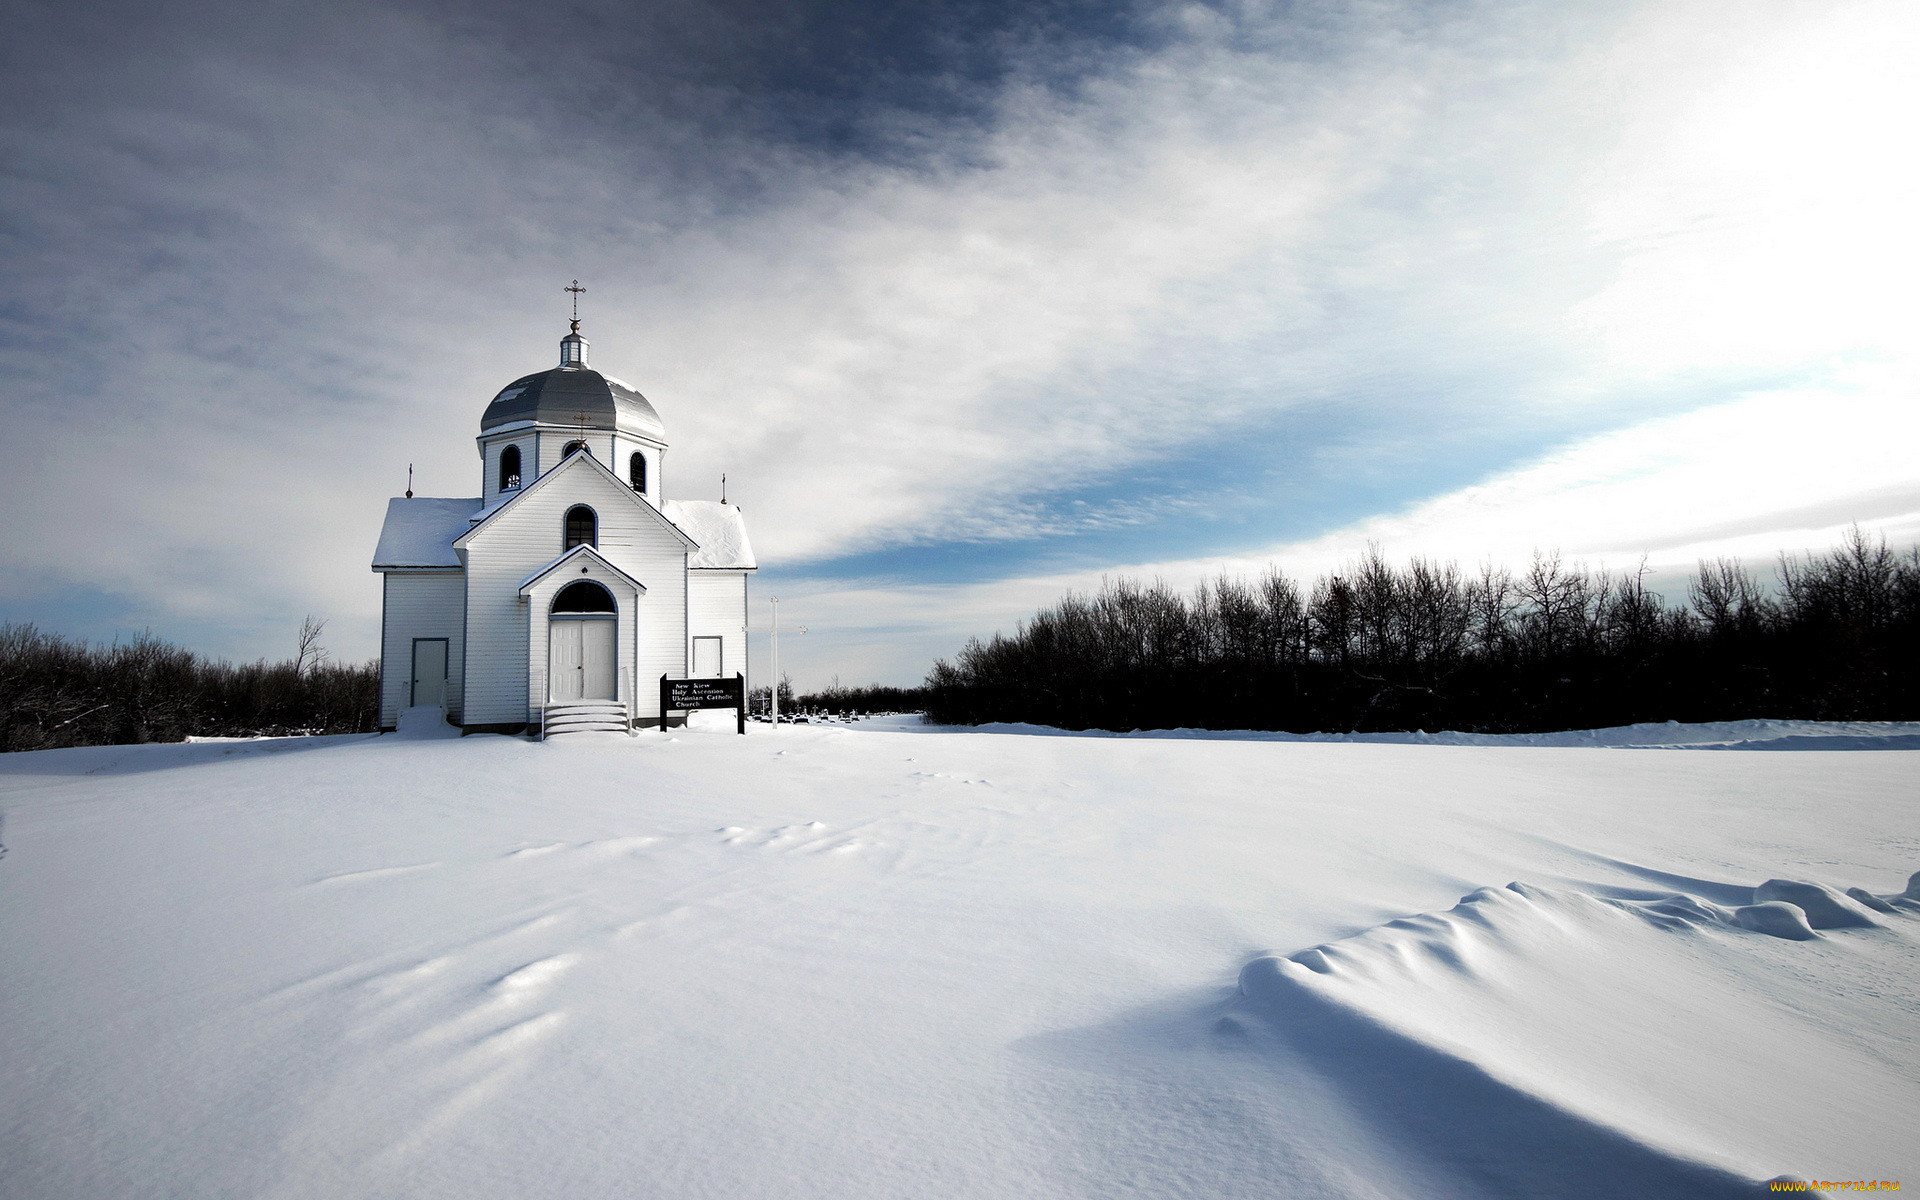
point(581, 661)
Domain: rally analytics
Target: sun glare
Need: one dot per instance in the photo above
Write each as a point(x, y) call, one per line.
point(1765, 220)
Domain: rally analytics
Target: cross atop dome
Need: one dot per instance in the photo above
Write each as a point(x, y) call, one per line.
point(573, 347)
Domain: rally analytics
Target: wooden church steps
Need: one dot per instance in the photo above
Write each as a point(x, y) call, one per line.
point(599, 716)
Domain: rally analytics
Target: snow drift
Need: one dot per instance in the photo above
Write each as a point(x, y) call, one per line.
point(1573, 1045)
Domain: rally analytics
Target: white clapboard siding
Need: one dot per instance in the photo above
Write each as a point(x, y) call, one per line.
point(490, 452)
point(717, 607)
point(543, 447)
point(419, 604)
point(506, 660)
point(610, 447)
point(554, 441)
point(624, 448)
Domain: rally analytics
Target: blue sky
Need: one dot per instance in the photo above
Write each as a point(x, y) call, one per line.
point(973, 303)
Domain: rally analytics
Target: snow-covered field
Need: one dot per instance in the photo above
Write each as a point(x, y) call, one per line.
point(884, 961)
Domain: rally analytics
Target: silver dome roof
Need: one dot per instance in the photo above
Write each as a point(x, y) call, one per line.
point(564, 395)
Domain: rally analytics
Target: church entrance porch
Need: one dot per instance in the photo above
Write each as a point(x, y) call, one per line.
point(581, 660)
point(579, 665)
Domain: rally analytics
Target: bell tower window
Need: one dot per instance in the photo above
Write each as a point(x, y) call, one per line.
point(510, 468)
point(583, 527)
point(637, 471)
point(570, 447)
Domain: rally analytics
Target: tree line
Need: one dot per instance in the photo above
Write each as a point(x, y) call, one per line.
point(836, 699)
point(843, 701)
point(57, 691)
point(1428, 646)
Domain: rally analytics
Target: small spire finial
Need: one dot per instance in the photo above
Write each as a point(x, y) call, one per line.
point(409, 481)
point(573, 347)
point(723, 487)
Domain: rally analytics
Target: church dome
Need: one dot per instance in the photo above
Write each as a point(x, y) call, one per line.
point(560, 397)
point(567, 393)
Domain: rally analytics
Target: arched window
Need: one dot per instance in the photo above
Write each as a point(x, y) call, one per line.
point(637, 472)
point(570, 447)
point(510, 468)
point(583, 596)
point(583, 528)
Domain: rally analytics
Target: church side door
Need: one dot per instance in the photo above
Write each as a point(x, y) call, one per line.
point(706, 657)
point(429, 685)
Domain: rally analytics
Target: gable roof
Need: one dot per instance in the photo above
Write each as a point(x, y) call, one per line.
point(419, 532)
point(581, 551)
point(719, 529)
point(569, 463)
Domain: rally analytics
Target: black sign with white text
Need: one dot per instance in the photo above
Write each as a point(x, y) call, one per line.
point(685, 695)
point(703, 693)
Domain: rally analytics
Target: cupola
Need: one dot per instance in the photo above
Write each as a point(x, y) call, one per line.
point(536, 421)
point(573, 349)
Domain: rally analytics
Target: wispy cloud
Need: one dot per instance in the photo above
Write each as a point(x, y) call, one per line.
point(1782, 471)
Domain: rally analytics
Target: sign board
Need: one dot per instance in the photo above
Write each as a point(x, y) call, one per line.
point(685, 695)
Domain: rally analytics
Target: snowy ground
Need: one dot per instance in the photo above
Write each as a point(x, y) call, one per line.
point(882, 961)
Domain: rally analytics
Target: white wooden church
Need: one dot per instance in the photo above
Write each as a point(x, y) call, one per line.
point(558, 597)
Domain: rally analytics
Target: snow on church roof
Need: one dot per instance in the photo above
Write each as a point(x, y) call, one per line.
point(420, 532)
point(720, 530)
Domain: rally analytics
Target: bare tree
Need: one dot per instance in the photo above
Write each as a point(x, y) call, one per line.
point(311, 655)
point(1557, 599)
point(1727, 598)
point(1491, 601)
